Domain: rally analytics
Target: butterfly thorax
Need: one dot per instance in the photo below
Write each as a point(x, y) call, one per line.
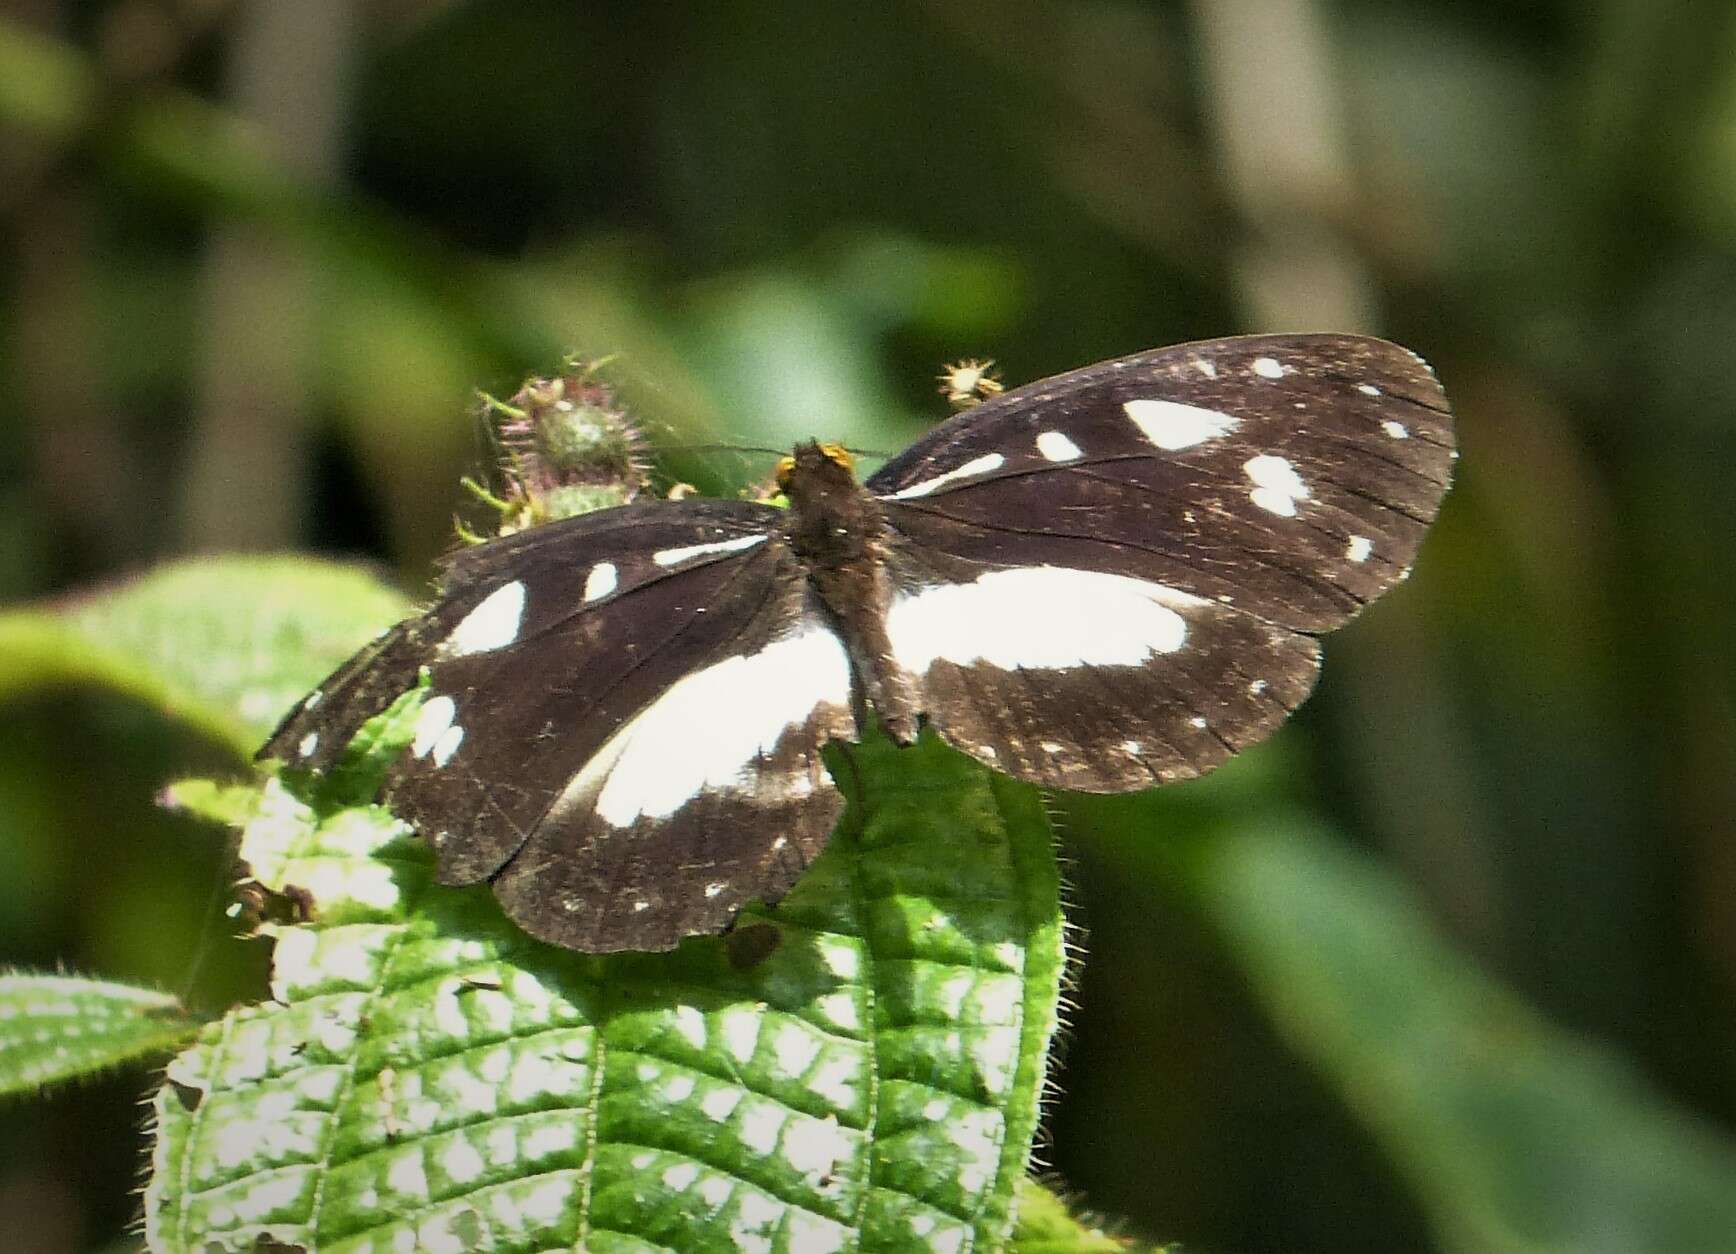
point(838, 531)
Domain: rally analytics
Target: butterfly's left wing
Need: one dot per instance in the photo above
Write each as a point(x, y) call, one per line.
point(623, 725)
point(710, 794)
point(1113, 577)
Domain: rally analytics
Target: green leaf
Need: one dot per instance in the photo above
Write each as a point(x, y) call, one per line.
point(858, 1067)
point(61, 1027)
point(225, 645)
point(1515, 1135)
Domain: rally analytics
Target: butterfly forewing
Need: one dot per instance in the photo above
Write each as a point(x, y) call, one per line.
point(314, 734)
point(545, 651)
point(510, 592)
point(1290, 476)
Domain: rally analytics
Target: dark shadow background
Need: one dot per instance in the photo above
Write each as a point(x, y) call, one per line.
point(259, 253)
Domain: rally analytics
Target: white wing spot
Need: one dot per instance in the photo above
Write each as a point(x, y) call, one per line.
point(1057, 447)
point(432, 723)
point(1359, 548)
point(674, 557)
point(1396, 430)
point(1268, 367)
point(715, 888)
point(1208, 369)
point(641, 905)
point(493, 624)
point(308, 744)
point(1368, 389)
point(447, 745)
point(1172, 425)
point(708, 729)
point(601, 581)
point(312, 699)
point(975, 466)
point(1039, 617)
point(1258, 686)
point(1197, 721)
point(1277, 486)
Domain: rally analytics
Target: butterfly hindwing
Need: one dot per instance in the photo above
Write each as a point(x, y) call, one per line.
point(1088, 681)
point(712, 795)
point(631, 759)
point(1291, 476)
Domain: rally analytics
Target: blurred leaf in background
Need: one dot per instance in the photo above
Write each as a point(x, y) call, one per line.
point(1451, 964)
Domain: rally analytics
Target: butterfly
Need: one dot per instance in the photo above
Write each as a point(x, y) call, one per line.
point(1102, 581)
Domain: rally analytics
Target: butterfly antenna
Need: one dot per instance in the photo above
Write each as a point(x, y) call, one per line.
point(721, 448)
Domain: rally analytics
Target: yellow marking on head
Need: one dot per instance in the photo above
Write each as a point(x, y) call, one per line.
point(838, 453)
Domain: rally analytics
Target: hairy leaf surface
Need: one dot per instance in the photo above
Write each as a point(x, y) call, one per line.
point(63, 1027)
point(858, 1067)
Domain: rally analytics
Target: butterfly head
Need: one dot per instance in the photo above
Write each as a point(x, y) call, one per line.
point(816, 463)
point(831, 516)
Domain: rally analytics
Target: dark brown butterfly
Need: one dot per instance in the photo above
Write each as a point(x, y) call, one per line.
point(1102, 581)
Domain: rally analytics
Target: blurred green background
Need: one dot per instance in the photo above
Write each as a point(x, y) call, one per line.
point(1479, 996)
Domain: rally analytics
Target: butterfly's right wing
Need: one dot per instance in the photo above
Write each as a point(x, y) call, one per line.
point(1114, 577)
